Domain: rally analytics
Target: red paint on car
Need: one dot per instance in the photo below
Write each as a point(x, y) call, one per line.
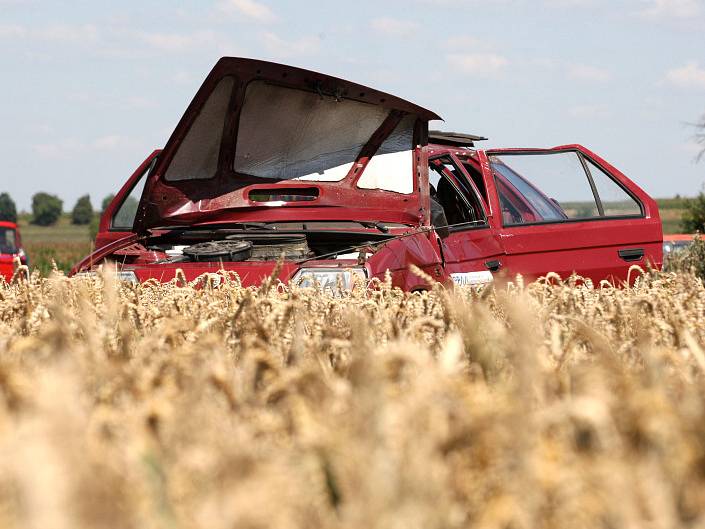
point(10, 249)
point(271, 161)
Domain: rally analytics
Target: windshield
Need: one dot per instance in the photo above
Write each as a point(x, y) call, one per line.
point(8, 242)
point(289, 134)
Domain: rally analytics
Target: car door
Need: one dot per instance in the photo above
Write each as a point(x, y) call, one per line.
point(566, 210)
point(471, 249)
point(118, 218)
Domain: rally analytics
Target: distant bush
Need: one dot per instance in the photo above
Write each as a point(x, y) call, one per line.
point(46, 209)
point(694, 215)
point(690, 259)
point(83, 211)
point(8, 210)
point(106, 202)
point(94, 227)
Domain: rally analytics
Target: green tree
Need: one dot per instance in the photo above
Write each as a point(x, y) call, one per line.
point(46, 209)
point(83, 211)
point(8, 210)
point(694, 215)
point(94, 227)
point(693, 218)
point(106, 202)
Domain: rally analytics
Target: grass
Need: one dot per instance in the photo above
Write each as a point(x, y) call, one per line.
point(551, 406)
point(670, 209)
point(63, 243)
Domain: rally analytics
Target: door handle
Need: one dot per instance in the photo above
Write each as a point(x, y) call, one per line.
point(631, 254)
point(494, 265)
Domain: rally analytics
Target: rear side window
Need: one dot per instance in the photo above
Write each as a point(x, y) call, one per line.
point(556, 187)
point(615, 201)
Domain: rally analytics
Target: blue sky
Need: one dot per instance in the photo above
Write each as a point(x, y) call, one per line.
point(89, 88)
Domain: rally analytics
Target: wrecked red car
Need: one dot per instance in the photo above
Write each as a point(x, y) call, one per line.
point(10, 249)
point(339, 181)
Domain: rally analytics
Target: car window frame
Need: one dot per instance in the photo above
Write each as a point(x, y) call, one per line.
point(581, 157)
point(483, 207)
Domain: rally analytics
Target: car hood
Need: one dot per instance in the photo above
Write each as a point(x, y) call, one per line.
point(260, 136)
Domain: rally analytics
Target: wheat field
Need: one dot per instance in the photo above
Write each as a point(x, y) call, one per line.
point(194, 406)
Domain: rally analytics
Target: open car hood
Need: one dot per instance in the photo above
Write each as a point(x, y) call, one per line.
point(260, 136)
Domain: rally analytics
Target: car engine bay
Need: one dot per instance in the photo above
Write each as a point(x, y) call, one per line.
point(249, 245)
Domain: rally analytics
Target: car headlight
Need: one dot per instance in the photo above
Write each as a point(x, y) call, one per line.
point(122, 275)
point(127, 275)
point(330, 278)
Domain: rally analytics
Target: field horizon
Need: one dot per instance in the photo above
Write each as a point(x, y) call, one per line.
point(66, 243)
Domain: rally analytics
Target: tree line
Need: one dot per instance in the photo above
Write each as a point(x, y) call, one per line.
point(47, 208)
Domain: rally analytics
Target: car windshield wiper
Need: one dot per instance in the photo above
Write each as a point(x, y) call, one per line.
point(217, 228)
point(373, 224)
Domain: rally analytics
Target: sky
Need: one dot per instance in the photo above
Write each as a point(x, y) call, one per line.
point(89, 88)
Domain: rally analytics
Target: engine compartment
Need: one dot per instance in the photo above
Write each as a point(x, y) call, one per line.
point(247, 247)
point(250, 245)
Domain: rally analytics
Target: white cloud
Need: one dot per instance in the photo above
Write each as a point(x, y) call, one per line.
point(478, 64)
point(290, 48)
point(589, 111)
point(689, 76)
point(62, 32)
point(183, 42)
point(10, 31)
point(54, 33)
point(584, 72)
point(69, 148)
point(110, 143)
point(672, 8)
point(394, 26)
point(458, 3)
point(464, 42)
point(571, 3)
point(62, 149)
point(249, 8)
point(544, 63)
